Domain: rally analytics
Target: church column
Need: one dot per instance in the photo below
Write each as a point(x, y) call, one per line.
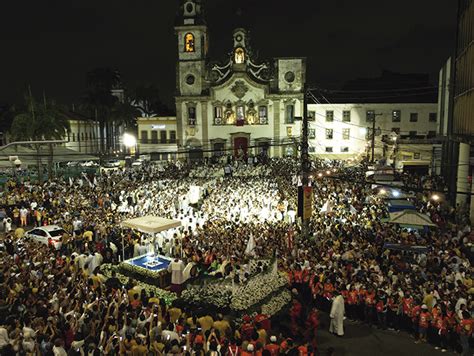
point(463, 173)
point(179, 126)
point(276, 150)
point(205, 127)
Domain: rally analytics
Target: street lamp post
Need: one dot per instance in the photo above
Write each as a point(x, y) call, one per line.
point(130, 142)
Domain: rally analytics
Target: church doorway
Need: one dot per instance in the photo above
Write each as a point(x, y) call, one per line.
point(241, 145)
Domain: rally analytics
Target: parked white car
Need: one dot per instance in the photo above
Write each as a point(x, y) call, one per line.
point(48, 235)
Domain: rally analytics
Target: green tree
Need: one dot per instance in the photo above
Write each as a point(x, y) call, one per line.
point(39, 122)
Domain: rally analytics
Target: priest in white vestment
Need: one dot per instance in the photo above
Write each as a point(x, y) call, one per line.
point(176, 268)
point(337, 316)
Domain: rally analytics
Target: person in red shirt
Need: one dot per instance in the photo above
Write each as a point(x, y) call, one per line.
point(381, 309)
point(264, 321)
point(423, 322)
point(273, 347)
point(440, 324)
point(465, 332)
point(312, 323)
point(394, 311)
point(295, 314)
point(369, 306)
point(303, 350)
point(415, 315)
point(407, 302)
point(351, 301)
point(247, 327)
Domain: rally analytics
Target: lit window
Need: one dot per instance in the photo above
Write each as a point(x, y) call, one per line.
point(189, 42)
point(240, 113)
point(239, 55)
point(346, 133)
point(396, 116)
point(346, 116)
point(290, 114)
point(370, 115)
point(329, 134)
point(329, 116)
point(191, 116)
point(217, 115)
point(263, 115)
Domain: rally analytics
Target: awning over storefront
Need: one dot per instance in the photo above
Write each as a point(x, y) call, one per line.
point(151, 224)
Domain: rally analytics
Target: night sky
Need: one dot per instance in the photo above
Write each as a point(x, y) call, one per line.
point(52, 44)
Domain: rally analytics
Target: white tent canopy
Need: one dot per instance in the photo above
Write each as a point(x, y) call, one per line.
point(151, 224)
point(410, 217)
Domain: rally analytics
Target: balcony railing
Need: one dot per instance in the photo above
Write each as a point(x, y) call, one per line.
point(257, 122)
point(157, 142)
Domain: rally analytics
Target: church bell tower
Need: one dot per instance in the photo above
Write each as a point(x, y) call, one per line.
point(192, 37)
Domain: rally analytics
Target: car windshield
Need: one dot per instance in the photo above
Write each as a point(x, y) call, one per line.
point(56, 233)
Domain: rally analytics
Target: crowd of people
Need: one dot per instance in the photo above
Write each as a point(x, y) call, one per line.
point(57, 302)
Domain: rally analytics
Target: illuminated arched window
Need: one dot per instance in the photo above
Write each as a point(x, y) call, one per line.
point(189, 42)
point(239, 55)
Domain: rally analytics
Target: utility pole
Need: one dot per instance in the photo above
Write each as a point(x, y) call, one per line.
point(373, 137)
point(305, 166)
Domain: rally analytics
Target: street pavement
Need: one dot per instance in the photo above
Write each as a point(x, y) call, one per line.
point(361, 339)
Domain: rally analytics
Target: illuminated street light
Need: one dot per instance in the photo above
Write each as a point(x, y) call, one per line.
point(363, 131)
point(129, 141)
point(396, 193)
point(383, 191)
point(328, 172)
point(435, 197)
point(320, 175)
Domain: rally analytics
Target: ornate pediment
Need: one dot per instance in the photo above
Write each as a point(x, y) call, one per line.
point(239, 89)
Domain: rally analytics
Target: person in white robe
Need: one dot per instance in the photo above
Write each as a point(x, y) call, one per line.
point(187, 270)
point(176, 268)
point(337, 316)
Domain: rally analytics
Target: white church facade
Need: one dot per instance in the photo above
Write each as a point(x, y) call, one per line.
point(238, 106)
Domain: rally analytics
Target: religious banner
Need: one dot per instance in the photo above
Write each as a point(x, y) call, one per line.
point(307, 202)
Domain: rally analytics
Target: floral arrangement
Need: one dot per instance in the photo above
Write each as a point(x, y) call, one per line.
point(216, 294)
point(168, 297)
point(257, 289)
point(276, 303)
point(142, 271)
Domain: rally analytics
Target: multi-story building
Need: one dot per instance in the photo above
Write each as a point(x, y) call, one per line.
point(457, 101)
point(344, 131)
point(157, 136)
point(239, 105)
